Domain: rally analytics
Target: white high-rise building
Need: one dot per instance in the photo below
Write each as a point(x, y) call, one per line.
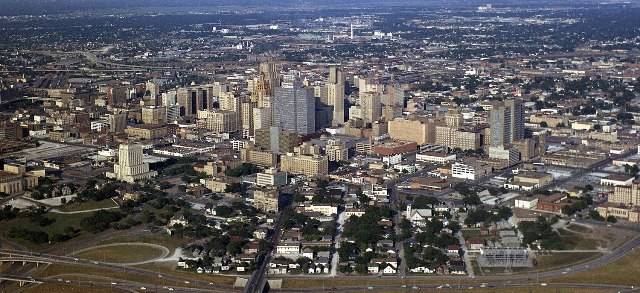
point(130, 166)
point(335, 94)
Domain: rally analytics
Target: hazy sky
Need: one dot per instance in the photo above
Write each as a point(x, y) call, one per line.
point(17, 7)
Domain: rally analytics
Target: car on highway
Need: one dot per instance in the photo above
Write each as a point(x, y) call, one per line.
point(543, 284)
point(143, 288)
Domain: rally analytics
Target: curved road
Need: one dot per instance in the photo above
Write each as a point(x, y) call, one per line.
point(165, 252)
point(507, 281)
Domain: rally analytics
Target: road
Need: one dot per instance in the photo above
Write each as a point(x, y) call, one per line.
point(503, 281)
point(188, 284)
point(335, 257)
point(258, 281)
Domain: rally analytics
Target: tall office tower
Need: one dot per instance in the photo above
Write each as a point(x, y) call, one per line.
point(500, 125)
point(187, 98)
point(506, 120)
point(152, 88)
point(370, 106)
point(169, 98)
point(194, 99)
point(262, 89)
point(130, 166)
point(277, 140)
point(117, 95)
point(173, 112)
point(517, 119)
point(222, 121)
point(229, 102)
point(261, 118)
point(270, 71)
point(117, 122)
point(320, 92)
point(294, 107)
point(395, 95)
point(154, 115)
point(335, 94)
point(206, 97)
point(246, 118)
point(453, 118)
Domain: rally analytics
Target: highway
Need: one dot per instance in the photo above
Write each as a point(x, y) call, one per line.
point(188, 284)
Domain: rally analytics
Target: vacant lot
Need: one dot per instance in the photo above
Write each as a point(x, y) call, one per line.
point(625, 271)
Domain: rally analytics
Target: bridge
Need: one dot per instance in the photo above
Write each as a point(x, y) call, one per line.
point(20, 280)
point(23, 260)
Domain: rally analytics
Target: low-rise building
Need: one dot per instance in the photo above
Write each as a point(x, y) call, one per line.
point(271, 177)
point(146, 131)
point(305, 165)
point(15, 180)
point(266, 199)
point(624, 212)
point(617, 180)
point(471, 170)
point(435, 157)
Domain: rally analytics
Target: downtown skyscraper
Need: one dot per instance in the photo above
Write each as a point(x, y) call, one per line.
point(294, 107)
point(335, 94)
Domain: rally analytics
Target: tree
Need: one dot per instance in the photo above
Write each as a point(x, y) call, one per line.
point(434, 256)
point(595, 215)
point(242, 170)
point(423, 202)
point(612, 219)
point(223, 211)
point(100, 220)
point(345, 269)
point(540, 230)
point(544, 124)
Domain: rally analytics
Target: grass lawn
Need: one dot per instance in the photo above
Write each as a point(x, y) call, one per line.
point(579, 228)
point(163, 239)
point(121, 253)
point(625, 271)
point(558, 260)
point(88, 205)
point(575, 240)
point(62, 221)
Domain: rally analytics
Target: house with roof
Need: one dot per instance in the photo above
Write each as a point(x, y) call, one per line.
point(418, 217)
